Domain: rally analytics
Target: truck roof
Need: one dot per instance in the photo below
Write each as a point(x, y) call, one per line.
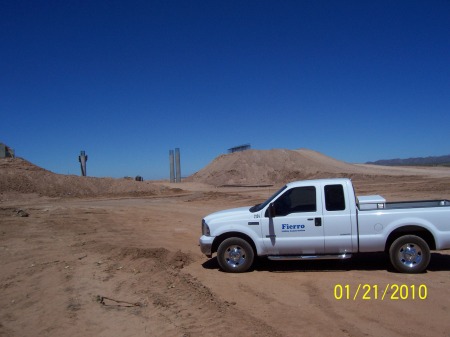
point(319, 181)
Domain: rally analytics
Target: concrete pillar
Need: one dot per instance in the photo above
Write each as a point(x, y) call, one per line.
point(177, 165)
point(83, 159)
point(172, 166)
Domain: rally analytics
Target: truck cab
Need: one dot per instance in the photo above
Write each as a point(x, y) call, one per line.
point(310, 218)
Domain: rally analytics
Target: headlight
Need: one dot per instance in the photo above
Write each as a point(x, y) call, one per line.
point(205, 228)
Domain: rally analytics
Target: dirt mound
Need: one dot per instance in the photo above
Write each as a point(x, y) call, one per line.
point(163, 256)
point(20, 176)
point(260, 167)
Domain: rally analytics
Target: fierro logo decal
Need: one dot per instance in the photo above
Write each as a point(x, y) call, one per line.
point(292, 228)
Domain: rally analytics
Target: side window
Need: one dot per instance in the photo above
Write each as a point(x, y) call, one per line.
point(334, 198)
point(296, 200)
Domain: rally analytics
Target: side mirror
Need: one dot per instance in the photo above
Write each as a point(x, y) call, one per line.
point(271, 211)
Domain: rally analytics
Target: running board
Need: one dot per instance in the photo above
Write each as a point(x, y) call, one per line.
point(309, 257)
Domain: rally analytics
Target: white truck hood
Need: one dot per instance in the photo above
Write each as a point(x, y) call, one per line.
point(228, 214)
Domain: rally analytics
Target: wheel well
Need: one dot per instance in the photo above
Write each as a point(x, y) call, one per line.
point(421, 232)
point(225, 236)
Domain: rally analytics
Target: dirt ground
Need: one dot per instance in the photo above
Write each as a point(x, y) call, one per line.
point(129, 265)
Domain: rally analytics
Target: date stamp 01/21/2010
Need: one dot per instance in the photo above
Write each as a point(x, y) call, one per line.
point(394, 292)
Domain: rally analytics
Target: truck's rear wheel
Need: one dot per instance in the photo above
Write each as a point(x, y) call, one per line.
point(235, 255)
point(410, 254)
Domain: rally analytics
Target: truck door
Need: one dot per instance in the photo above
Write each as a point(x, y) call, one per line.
point(296, 225)
point(337, 220)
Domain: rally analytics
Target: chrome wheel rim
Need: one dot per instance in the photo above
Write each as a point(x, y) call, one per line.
point(235, 256)
point(410, 255)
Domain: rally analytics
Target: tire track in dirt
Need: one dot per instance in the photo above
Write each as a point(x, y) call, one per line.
point(320, 303)
point(179, 303)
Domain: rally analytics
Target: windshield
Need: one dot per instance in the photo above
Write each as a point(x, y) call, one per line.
point(259, 207)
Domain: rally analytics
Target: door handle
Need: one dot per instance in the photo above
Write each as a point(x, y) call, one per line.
point(318, 221)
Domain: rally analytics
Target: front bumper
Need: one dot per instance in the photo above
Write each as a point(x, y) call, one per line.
point(206, 243)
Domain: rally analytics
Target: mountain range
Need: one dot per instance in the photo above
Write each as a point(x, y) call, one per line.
point(418, 161)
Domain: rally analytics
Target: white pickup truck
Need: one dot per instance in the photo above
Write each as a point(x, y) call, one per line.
point(323, 219)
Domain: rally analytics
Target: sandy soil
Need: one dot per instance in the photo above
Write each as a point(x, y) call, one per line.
point(108, 262)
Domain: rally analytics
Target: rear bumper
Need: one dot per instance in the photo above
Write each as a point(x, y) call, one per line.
point(206, 243)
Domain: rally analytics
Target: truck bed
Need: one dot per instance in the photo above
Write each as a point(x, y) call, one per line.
point(417, 204)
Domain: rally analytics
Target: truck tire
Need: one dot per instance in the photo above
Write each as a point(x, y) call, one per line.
point(410, 254)
point(235, 255)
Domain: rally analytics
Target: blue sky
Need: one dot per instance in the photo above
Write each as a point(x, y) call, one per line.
point(127, 81)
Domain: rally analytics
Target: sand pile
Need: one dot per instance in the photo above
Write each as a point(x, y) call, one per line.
point(20, 176)
point(275, 167)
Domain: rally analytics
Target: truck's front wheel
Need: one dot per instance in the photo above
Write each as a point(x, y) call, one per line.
point(235, 255)
point(410, 254)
